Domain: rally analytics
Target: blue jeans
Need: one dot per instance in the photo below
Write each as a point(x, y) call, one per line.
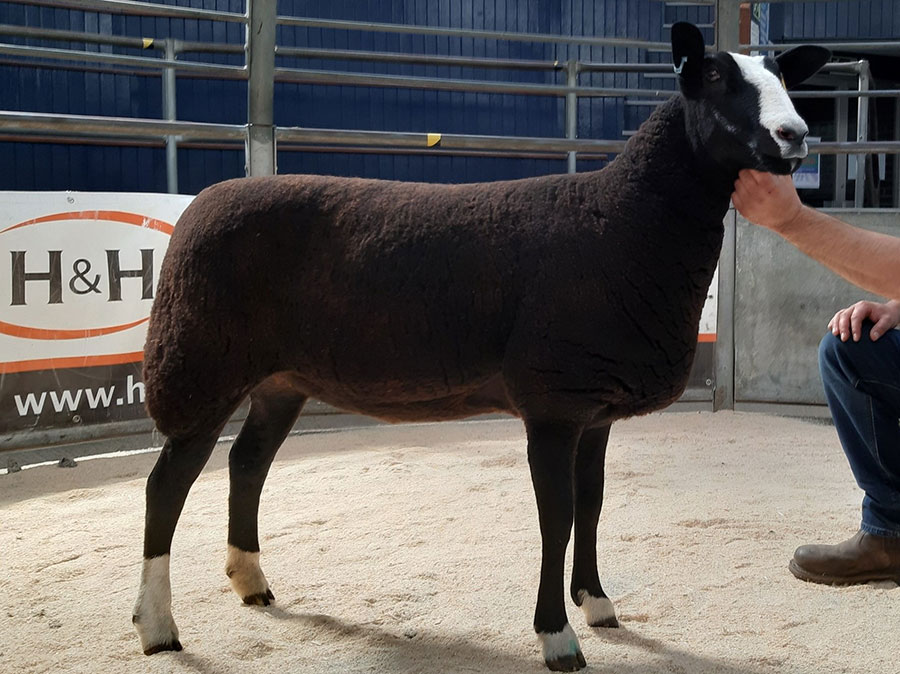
point(862, 386)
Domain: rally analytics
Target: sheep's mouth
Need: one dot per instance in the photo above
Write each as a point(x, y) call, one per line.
point(778, 165)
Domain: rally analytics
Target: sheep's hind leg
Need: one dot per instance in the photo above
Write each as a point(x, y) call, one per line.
point(274, 407)
point(589, 475)
point(551, 456)
point(178, 465)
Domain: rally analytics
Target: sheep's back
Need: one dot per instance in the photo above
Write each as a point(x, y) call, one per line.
point(367, 289)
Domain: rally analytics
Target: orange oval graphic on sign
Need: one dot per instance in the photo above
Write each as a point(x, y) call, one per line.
point(25, 332)
point(110, 216)
point(121, 217)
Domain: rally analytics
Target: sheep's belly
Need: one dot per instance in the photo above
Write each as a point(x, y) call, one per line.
point(396, 402)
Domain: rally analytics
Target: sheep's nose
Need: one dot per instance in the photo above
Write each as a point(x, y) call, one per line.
point(792, 135)
point(795, 137)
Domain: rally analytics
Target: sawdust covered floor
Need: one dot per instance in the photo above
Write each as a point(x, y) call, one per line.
point(416, 549)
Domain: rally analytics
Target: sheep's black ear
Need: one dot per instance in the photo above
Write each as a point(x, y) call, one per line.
point(688, 50)
point(800, 63)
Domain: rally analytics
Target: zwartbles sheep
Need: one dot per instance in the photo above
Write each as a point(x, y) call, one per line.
point(570, 301)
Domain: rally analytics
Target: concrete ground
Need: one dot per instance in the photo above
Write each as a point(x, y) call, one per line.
point(416, 548)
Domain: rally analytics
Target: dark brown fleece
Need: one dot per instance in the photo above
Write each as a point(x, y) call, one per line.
point(564, 294)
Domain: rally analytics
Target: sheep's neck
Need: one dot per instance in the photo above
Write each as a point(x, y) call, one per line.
point(665, 206)
point(660, 163)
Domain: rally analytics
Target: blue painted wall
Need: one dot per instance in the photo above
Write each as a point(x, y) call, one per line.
point(869, 19)
point(99, 91)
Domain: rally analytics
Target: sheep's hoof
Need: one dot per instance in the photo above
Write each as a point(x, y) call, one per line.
point(561, 650)
point(260, 598)
point(598, 611)
point(247, 579)
point(157, 632)
point(568, 663)
point(611, 623)
point(173, 645)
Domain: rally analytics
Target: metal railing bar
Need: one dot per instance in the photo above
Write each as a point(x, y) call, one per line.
point(789, 1)
point(413, 151)
point(303, 22)
point(359, 141)
point(118, 126)
point(151, 128)
point(100, 69)
point(594, 66)
point(447, 141)
point(846, 93)
point(36, 32)
point(424, 59)
point(207, 47)
point(184, 46)
point(856, 147)
point(844, 66)
point(326, 77)
point(135, 8)
point(211, 69)
point(318, 149)
point(874, 46)
point(235, 146)
point(181, 46)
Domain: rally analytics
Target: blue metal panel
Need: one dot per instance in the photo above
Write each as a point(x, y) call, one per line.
point(98, 91)
point(863, 19)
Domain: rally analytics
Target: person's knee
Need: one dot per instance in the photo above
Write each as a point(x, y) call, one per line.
point(838, 358)
point(830, 354)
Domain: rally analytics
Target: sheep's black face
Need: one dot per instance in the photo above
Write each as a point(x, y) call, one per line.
point(737, 107)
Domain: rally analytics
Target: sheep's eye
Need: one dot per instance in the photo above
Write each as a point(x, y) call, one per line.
point(712, 75)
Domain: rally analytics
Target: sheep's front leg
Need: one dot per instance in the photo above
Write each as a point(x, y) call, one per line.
point(551, 456)
point(589, 475)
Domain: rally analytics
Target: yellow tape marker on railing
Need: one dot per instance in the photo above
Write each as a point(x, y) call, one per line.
point(434, 139)
point(148, 42)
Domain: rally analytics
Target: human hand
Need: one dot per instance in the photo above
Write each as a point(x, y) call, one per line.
point(849, 321)
point(766, 199)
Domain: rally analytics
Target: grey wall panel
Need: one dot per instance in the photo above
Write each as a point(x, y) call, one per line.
point(783, 302)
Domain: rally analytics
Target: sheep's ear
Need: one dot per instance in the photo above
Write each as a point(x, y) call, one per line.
point(800, 63)
point(688, 50)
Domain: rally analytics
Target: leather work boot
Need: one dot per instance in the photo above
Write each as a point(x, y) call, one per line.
point(859, 559)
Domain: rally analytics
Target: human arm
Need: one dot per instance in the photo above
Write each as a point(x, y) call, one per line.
point(870, 260)
point(847, 322)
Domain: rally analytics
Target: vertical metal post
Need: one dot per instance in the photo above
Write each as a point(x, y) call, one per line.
point(169, 113)
point(724, 393)
point(862, 134)
point(897, 156)
point(572, 111)
point(728, 17)
point(728, 25)
point(841, 114)
point(260, 47)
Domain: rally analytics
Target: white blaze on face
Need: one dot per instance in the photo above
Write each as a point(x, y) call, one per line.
point(775, 108)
